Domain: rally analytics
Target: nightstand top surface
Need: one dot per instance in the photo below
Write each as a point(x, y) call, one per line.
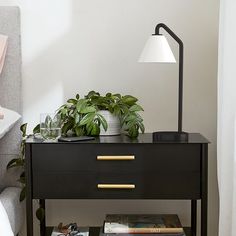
point(120, 139)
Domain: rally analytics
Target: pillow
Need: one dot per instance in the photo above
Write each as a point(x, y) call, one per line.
point(3, 50)
point(10, 118)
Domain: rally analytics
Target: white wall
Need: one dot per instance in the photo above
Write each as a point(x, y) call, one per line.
point(72, 46)
point(226, 119)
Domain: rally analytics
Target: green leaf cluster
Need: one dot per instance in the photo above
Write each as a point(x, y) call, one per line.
point(19, 162)
point(81, 116)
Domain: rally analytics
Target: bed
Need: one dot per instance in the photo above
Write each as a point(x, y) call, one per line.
point(10, 97)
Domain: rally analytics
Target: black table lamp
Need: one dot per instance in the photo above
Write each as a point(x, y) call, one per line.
point(157, 49)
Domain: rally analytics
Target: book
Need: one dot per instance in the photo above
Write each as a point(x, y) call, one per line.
point(143, 224)
point(150, 234)
point(83, 231)
point(161, 234)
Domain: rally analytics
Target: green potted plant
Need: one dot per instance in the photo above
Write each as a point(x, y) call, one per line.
point(101, 115)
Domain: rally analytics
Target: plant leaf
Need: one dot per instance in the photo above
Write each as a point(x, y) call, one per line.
point(133, 132)
point(77, 118)
point(95, 130)
point(12, 163)
point(40, 214)
point(92, 94)
point(116, 110)
point(116, 96)
point(81, 104)
point(48, 121)
point(129, 100)
point(64, 111)
point(88, 110)
point(89, 127)
point(22, 180)
point(23, 194)
point(103, 122)
point(67, 126)
point(87, 119)
point(77, 96)
point(72, 101)
point(36, 129)
point(130, 117)
point(23, 129)
point(79, 131)
point(136, 108)
point(141, 126)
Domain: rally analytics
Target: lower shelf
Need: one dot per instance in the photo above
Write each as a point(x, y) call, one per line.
point(94, 231)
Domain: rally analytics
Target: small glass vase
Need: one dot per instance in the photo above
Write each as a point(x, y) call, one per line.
point(50, 127)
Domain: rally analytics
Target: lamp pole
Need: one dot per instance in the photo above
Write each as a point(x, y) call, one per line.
point(181, 64)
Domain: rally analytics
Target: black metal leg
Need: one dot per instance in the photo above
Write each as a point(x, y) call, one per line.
point(194, 216)
point(204, 190)
point(29, 204)
point(42, 222)
point(29, 213)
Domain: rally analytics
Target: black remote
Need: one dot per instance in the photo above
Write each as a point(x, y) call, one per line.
point(75, 139)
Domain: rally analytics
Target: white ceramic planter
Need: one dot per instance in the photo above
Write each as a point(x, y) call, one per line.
point(113, 124)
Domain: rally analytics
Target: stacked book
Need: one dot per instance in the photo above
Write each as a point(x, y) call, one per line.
point(143, 225)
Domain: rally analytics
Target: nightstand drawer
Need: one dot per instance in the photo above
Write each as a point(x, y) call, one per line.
point(132, 185)
point(125, 158)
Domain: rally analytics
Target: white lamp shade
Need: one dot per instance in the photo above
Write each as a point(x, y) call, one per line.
point(157, 49)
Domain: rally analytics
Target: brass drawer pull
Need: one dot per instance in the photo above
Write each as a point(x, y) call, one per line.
point(115, 158)
point(116, 186)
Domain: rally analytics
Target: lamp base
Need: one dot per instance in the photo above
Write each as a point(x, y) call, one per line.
point(169, 136)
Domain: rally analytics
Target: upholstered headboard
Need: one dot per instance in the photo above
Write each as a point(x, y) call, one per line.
point(10, 89)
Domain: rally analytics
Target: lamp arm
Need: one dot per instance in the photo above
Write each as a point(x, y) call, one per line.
point(181, 63)
point(167, 29)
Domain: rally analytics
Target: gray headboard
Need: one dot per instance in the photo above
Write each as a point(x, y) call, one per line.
point(10, 88)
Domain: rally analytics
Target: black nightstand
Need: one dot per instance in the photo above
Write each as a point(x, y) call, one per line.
point(117, 167)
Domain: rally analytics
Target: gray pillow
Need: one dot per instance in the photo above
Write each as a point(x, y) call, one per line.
point(9, 120)
point(3, 50)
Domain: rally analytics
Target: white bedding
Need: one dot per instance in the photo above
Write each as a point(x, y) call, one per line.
point(9, 119)
point(5, 227)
